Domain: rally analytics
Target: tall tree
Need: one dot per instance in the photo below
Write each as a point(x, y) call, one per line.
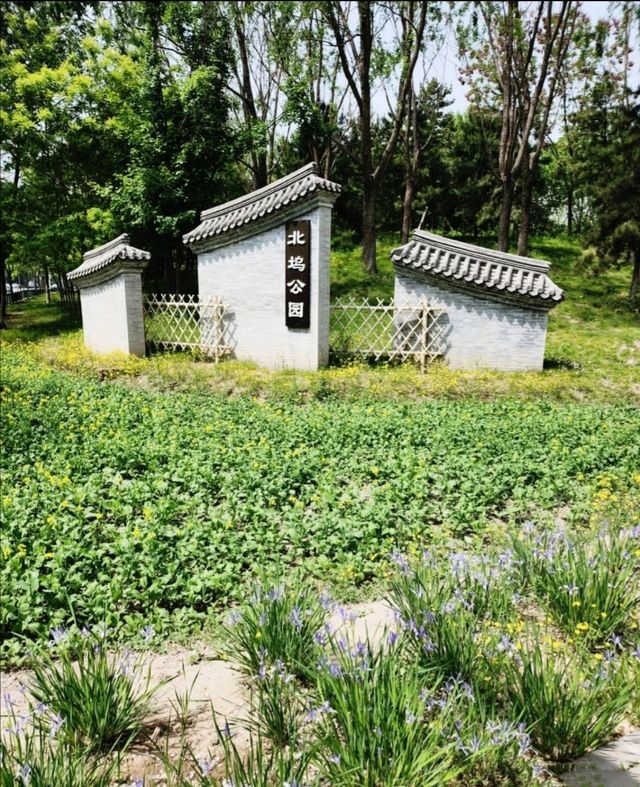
point(356, 31)
point(424, 121)
point(263, 34)
point(175, 127)
point(520, 50)
point(313, 94)
point(44, 132)
point(608, 161)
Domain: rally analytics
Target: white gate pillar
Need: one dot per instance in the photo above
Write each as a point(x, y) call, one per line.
point(110, 284)
point(266, 256)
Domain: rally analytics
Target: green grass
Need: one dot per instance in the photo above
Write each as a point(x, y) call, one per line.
point(147, 494)
point(154, 506)
point(152, 500)
point(34, 319)
point(592, 353)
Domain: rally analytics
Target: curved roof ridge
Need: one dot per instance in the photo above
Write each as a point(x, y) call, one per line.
point(506, 276)
point(258, 204)
point(264, 191)
point(110, 244)
point(102, 256)
point(470, 249)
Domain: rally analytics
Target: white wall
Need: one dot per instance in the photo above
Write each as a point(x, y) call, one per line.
point(480, 332)
point(112, 315)
point(249, 277)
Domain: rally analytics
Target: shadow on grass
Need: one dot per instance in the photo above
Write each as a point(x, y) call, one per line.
point(561, 363)
point(36, 319)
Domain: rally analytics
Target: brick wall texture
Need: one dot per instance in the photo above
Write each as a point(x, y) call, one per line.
point(480, 332)
point(249, 277)
point(112, 315)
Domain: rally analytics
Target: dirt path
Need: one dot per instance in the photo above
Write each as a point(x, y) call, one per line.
point(218, 685)
point(209, 683)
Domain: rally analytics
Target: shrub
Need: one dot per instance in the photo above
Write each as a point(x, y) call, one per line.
point(588, 583)
point(440, 610)
point(374, 727)
point(277, 706)
point(34, 753)
point(569, 705)
point(277, 626)
point(96, 695)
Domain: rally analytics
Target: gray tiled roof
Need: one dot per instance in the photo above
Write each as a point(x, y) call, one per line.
point(100, 258)
point(471, 267)
point(258, 204)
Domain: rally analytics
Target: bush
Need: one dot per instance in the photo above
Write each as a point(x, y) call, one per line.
point(568, 705)
point(96, 695)
point(278, 627)
point(36, 752)
point(440, 609)
point(589, 584)
point(374, 723)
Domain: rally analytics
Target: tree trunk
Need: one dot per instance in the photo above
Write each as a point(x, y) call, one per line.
point(570, 212)
point(259, 168)
point(406, 209)
point(411, 161)
point(369, 226)
point(505, 214)
point(634, 290)
point(9, 281)
point(369, 183)
point(47, 291)
point(525, 214)
point(3, 296)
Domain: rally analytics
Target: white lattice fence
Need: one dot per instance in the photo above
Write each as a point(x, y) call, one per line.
point(379, 329)
point(182, 322)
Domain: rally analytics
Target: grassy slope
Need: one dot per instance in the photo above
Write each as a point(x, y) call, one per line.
point(592, 354)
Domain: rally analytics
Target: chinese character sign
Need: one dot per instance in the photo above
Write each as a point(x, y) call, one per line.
point(297, 273)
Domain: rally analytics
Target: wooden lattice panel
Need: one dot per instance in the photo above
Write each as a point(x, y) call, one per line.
point(379, 329)
point(183, 322)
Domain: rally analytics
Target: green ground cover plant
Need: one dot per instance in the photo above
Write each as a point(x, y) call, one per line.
point(148, 493)
point(147, 507)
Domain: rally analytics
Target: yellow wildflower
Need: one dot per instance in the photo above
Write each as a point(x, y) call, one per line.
point(582, 627)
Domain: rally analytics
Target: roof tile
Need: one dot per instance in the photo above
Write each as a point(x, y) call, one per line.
point(257, 204)
point(474, 267)
point(102, 256)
